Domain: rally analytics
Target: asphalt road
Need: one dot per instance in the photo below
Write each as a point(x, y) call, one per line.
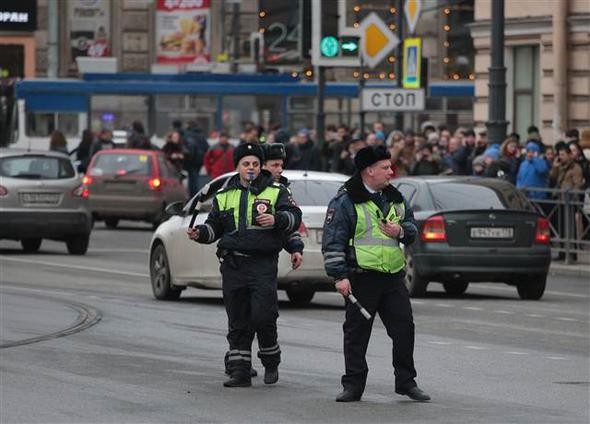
point(83, 341)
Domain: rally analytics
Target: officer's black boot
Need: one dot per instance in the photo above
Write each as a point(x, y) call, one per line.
point(239, 378)
point(271, 375)
point(253, 372)
point(348, 395)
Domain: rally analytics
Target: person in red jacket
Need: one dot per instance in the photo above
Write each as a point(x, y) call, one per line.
point(219, 158)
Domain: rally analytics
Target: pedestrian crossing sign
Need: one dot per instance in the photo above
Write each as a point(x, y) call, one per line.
point(412, 62)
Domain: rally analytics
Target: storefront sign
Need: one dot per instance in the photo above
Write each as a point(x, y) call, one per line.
point(18, 15)
point(89, 22)
point(182, 31)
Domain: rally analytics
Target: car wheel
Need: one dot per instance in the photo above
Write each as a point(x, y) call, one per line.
point(415, 283)
point(532, 288)
point(300, 297)
point(77, 245)
point(31, 245)
point(160, 275)
point(456, 288)
point(111, 222)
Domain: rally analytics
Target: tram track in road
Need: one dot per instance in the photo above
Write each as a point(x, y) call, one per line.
point(88, 316)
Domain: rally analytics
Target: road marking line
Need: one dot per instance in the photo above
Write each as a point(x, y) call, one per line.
point(439, 343)
point(511, 352)
point(535, 315)
point(78, 267)
point(566, 319)
point(475, 347)
point(473, 308)
point(417, 302)
point(501, 311)
point(557, 358)
point(98, 249)
point(443, 305)
point(500, 288)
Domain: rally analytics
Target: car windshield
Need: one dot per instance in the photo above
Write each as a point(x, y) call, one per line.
point(122, 164)
point(314, 192)
point(461, 196)
point(36, 167)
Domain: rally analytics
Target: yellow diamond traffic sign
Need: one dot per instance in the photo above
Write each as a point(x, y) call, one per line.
point(377, 40)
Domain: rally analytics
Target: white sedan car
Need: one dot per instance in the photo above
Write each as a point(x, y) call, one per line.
point(177, 262)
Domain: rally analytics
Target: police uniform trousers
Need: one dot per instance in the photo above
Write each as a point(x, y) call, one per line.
point(250, 298)
point(387, 295)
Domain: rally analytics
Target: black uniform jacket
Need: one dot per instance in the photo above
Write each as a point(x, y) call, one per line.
point(292, 242)
point(249, 238)
point(340, 224)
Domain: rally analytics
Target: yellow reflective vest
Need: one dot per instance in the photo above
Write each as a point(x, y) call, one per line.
point(374, 250)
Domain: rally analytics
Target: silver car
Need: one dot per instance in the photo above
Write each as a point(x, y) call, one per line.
point(177, 262)
point(42, 196)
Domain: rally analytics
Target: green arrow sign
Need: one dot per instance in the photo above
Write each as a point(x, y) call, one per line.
point(350, 46)
point(329, 46)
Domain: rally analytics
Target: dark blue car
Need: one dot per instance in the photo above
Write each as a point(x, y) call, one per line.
point(474, 230)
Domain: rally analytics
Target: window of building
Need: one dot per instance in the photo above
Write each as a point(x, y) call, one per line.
point(526, 88)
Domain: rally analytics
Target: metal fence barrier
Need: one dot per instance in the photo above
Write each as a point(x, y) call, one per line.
point(568, 212)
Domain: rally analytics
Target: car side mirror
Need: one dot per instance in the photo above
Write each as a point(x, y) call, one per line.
point(175, 208)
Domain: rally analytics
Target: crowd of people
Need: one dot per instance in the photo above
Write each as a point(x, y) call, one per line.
point(526, 161)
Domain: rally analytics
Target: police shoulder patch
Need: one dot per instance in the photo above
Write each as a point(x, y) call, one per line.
point(330, 213)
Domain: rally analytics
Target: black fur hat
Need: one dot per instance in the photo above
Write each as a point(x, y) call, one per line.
point(369, 155)
point(274, 151)
point(248, 149)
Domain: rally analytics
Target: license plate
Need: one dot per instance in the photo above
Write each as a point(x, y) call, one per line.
point(40, 198)
point(492, 232)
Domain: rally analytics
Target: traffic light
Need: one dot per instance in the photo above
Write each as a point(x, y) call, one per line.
point(332, 43)
point(331, 46)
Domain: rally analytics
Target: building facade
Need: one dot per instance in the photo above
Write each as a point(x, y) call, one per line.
point(547, 56)
point(150, 37)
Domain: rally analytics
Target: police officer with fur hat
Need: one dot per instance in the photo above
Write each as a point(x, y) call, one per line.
point(274, 162)
point(250, 217)
point(364, 226)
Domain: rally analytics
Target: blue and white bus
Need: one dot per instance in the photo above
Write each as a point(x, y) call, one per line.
point(214, 101)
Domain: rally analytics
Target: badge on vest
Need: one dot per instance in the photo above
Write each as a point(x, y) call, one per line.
point(260, 206)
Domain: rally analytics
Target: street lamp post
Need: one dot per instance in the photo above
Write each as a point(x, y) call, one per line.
point(497, 123)
point(399, 23)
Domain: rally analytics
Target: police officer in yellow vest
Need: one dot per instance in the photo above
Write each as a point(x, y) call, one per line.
point(250, 217)
point(364, 226)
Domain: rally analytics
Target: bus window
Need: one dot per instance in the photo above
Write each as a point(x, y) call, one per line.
point(200, 109)
point(117, 112)
point(41, 124)
point(261, 110)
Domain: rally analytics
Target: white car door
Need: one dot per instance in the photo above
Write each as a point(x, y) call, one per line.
point(197, 262)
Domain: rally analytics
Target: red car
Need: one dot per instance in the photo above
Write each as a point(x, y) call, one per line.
point(132, 184)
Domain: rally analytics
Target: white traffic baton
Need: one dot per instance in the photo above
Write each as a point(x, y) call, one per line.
point(355, 302)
